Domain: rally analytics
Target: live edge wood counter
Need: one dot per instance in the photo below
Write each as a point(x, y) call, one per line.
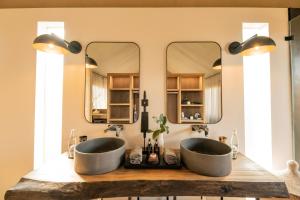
point(58, 180)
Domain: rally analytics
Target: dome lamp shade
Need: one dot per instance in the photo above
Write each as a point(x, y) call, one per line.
point(217, 64)
point(51, 43)
point(253, 46)
point(90, 63)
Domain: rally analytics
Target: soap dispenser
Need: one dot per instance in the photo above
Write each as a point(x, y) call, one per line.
point(234, 143)
point(72, 143)
point(149, 147)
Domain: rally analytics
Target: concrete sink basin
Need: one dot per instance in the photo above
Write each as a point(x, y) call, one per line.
point(98, 156)
point(206, 157)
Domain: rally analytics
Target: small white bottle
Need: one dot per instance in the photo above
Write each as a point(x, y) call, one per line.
point(135, 114)
point(234, 143)
point(72, 143)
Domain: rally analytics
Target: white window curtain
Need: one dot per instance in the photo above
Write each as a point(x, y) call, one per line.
point(99, 91)
point(213, 98)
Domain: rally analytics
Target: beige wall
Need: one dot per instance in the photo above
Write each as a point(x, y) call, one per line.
point(17, 87)
point(153, 30)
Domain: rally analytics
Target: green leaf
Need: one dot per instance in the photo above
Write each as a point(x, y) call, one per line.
point(167, 129)
point(161, 120)
point(155, 134)
point(164, 120)
point(162, 128)
point(161, 116)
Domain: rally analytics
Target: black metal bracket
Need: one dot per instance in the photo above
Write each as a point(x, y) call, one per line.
point(289, 38)
point(144, 120)
point(235, 47)
point(145, 101)
point(74, 47)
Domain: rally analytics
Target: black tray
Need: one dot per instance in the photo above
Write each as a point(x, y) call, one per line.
point(145, 165)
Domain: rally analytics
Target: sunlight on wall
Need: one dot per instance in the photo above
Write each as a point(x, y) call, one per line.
point(48, 99)
point(257, 100)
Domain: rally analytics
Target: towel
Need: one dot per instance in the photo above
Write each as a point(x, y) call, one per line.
point(136, 156)
point(170, 157)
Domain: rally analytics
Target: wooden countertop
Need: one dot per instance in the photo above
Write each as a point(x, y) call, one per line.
point(57, 180)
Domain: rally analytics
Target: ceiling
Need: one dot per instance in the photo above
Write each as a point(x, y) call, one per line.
point(148, 3)
point(193, 57)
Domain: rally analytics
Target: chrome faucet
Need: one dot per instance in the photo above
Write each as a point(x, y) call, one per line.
point(200, 128)
point(115, 127)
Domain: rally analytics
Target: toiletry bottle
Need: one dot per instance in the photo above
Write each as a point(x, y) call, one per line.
point(135, 114)
point(234, 144)
point(72, 143)
point(149, 147)
point(156, 147)
point(182, 115)
point(185, 100)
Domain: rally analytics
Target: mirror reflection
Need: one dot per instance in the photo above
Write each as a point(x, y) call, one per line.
point(194, 83)
point(112, 82)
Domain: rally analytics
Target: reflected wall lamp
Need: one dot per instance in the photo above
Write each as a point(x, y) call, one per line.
point(254, 45)
point(90, 63)
point(217, 64)
point(51, 43)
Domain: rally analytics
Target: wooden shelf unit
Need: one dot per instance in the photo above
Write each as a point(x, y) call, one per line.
point(179, 87)
point(123, 97)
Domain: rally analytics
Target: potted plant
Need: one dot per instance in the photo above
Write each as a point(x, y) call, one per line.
point(161, 121)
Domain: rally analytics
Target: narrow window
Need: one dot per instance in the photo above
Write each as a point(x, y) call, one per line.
point(257, 100)
point(48, 99)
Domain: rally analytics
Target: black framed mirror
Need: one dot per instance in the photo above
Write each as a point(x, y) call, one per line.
point(194, 82)
point(112, 83)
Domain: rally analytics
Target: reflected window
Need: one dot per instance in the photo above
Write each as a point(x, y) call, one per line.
point(99, 91)
point(212, 98)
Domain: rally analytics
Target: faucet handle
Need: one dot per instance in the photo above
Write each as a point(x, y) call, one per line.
point(120, 127)
point(115, 127)
point(195, 127)
point(201, 127)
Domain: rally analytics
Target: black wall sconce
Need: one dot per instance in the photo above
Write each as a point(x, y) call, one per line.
point(51, 43)
point(254, 45)
point(217, 64)
point(90, 63)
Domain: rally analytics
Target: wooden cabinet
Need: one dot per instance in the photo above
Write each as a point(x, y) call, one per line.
point(123, 98)
point(185, 98)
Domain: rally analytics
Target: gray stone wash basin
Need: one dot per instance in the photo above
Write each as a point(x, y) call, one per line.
point(206, 157)
point(98, 156)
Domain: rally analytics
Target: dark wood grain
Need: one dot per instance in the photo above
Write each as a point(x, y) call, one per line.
point(59, 181)
point(294, 197)
point(32, 189)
